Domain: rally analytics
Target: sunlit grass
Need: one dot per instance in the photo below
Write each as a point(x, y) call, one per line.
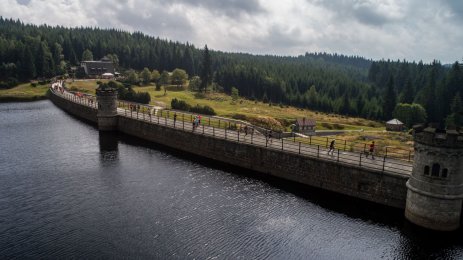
point(24, 92)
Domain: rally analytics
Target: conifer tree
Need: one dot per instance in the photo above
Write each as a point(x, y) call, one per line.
point(206, 71)
point(390, 99)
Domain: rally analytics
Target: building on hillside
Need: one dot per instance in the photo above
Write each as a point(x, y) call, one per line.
point(305, 126)
point(98, 68)
point(394, 125)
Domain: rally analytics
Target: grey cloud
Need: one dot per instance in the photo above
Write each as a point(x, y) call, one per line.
point(369, 16)
point(456, 8)
point(231, 8)
point(23, 2)
point(361, 10)
point(280, 38)
point(152, 19)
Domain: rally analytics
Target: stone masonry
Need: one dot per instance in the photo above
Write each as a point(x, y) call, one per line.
point(435, 189)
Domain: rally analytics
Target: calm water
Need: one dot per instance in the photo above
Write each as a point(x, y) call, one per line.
point(67, 190)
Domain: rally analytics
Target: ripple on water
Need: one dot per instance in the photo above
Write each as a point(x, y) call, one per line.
point(68, 191)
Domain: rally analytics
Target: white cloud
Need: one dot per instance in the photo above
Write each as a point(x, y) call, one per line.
point(418, 29)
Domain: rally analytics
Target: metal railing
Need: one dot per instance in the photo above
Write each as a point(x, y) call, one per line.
point(222, 130)
point(315, 147)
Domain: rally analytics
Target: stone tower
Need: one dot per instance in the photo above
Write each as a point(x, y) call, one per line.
point(107, 108)
point(435, 188)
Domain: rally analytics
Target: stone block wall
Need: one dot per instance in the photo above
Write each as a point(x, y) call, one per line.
point(384, 188)
point(75, 109)
point(375, 186)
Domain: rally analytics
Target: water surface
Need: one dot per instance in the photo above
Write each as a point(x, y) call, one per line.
point(67, 190)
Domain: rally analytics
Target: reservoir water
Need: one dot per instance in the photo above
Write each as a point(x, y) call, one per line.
point(68, 191)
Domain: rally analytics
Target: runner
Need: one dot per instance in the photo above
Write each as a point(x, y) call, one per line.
point(372, 150)
point(331, 147)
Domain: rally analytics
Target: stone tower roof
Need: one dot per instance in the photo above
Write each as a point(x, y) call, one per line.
point(438, 137)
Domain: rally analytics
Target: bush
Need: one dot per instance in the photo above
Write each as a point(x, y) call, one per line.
point(34, 85)
point(327, 126)
point(206, 110)
point(11, 82)
point(182, 105)
point(266, 122)
point(44, 82)
point(127, 93)
point(239, 117)
point(338, 126)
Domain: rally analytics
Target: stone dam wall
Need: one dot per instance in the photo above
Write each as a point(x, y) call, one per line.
point(371, 185)
point(79, 110)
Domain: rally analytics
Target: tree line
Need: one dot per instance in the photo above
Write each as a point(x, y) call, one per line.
point(348, 85)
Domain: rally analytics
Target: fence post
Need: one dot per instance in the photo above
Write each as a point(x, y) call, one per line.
point(282, 144)
point(294, 137)
point(213, 131)
point(384, 161)
point(326, 146)
point(310, 140)
point(209, 121)
point(409, 155)
point(338, 156)
point(360, 160)
point(345, 143)
point(219, 123)
point(203, 129)
point(386, 154)
point(318, 151)
point(252, 135)
point(238, 136)
point(299, 147)
point(165, 119)
point(225, 133)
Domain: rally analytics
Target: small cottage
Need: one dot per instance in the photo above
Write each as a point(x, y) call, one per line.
point(394, 125)
point(305, 126)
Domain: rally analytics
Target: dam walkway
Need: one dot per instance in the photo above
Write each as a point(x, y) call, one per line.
point(233, 131)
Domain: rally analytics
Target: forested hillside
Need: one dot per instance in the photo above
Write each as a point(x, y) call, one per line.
point(325, 82)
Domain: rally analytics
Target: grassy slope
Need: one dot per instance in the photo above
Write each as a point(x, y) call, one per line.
point(224, 106)
point(24, 92)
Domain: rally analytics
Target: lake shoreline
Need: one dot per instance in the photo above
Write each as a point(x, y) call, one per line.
point(11, 99)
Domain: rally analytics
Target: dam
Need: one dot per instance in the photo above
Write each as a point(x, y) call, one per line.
point(385, 180)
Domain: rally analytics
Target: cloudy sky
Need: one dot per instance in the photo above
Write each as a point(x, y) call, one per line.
point(412, 30)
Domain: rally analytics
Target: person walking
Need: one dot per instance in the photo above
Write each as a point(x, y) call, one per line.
point(331, 150)
point(372, 150)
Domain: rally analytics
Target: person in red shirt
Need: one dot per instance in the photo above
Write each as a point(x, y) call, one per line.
point(372, 150)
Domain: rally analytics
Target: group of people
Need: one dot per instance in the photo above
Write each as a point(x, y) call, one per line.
point(58, 86)
point(371, 150)
point(196, 121)
point(246, 129)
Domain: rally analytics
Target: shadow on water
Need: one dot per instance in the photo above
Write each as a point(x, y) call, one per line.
point(417, 242)
point(109, 147)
